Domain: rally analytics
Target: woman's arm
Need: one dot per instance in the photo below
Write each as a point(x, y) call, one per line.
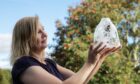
point(65, 72)
point(37, 75)
point(102, 58)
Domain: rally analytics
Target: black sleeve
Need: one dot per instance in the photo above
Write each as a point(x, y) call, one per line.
point(21, 65)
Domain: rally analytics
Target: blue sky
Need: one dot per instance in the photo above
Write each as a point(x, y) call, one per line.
point(12, 10)
point(48, 11)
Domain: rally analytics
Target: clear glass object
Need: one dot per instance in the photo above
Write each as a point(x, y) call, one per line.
point(106, 32)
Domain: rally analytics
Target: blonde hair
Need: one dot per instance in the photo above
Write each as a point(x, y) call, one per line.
point(24, 37)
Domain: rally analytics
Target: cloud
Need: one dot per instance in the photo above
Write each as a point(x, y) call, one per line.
point(5, 65)
point(5, 45)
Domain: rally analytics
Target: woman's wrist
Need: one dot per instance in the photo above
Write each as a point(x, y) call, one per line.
point(91, 62)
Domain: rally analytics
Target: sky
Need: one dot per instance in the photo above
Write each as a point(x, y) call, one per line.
point(12, 10)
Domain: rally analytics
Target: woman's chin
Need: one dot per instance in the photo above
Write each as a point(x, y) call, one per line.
point(42, 47)
point(45, 46)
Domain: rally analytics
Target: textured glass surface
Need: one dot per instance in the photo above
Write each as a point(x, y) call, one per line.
point(106, 32)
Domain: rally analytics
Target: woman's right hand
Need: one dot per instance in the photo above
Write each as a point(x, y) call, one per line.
point(94, 51)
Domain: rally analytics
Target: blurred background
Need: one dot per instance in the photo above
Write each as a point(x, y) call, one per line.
point(70, 26)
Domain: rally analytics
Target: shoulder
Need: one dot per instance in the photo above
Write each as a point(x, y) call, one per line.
point(37, 75)
point(22, 64)
point(25, 61)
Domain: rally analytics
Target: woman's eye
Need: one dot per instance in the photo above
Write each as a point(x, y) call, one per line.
point(39, 31)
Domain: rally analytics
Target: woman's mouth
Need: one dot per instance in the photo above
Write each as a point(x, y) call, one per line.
point(44, 40)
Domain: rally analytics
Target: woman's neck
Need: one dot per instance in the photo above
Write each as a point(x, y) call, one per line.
point(39, 56)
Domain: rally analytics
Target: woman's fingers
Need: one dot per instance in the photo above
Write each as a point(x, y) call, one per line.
point(95, 48)
point(101, 49)
point(90, 48)
point(105, 51)
point(108, 51)
point(116, 49)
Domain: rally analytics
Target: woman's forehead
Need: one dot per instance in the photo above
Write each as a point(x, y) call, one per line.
point(40, 25)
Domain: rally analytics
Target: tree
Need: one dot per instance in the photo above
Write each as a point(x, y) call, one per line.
point(73, 39)
point(5, 77)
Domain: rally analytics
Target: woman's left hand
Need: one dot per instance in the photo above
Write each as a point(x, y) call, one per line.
point(108, 51)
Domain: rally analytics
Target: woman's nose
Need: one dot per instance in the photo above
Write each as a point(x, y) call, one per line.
point(44, 34)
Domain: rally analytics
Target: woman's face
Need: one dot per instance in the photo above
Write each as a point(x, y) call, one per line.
point(41, 37)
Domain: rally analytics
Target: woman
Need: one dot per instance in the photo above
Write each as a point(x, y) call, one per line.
point(30, 65)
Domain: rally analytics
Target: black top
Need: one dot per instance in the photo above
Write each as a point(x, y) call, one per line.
point(27, 61)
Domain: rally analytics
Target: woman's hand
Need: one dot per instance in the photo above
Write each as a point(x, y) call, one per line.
point(94, 50)
point(102, 55)
point(99, 51)
point(108, 51)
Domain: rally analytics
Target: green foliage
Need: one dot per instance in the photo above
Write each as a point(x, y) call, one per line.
point(74, 38)
point(5, 77)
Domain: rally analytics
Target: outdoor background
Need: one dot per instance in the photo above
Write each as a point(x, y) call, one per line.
point(70, 25)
